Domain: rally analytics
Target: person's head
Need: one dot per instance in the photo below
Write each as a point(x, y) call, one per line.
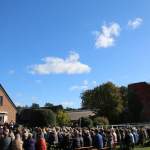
point(40, 135)
point(96, 131)
point(6, 132)
point(30, 135)
point(17, 136)
point(25, 135)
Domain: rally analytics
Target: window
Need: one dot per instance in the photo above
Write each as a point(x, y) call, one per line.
point(1, 100)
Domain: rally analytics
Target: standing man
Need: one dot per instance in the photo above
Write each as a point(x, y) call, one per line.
point(98, 140)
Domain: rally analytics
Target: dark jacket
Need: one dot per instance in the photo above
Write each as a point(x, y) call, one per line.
point(29, 144)
point(76, 142)
point(5, 143)
point(87, 140)
point(98, 141)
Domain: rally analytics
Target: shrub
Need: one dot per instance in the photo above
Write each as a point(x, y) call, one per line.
point(86, 122)
point(37, 117)
point(62, 118)
point(100, 121)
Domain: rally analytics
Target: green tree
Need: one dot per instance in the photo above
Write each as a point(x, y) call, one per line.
point(48, 105)
point(62, 118)
point(37, 117)
point(100, 121)
point(124, 95)
point(105, 98)
point(35, 106)
point(86, 122)
point(124, 117)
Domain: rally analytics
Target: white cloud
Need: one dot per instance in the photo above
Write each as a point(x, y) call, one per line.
point(84, 86)
point(107, 36)
point(134, 24)
point(56, 65)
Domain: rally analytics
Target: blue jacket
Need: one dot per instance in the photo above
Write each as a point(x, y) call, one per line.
point(98, 141)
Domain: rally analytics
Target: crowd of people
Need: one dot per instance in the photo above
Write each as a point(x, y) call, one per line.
point(68, 138)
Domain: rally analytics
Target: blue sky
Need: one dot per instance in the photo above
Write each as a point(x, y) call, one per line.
point(50, 50)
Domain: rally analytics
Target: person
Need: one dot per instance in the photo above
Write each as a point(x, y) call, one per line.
point(102, 132)
point(114, 135)
point(5, 142)
point(135, 135)
point(87, 139)
point(98, 140)
point(110, 139)
point(81, 139)
point(76, 140)
point(30, 143)
point(17, 144)
point(122, 139)
point(132, 140)
point(41, 143)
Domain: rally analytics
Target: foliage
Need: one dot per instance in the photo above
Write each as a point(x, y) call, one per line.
point(62, 118)
point(100, 121)
point(69, 109)
point(35, 106)
point(105, 98)
point(124, 96)
point(57, 108)
point(37, 117)
point(124, 116)
point(86, 122)
point(48, 105)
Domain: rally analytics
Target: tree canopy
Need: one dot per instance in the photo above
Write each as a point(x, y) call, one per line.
point(37, 117)
point(85, 122)
point(100, 121)
point(62, 118)
point(35, 106)
point(106, 98)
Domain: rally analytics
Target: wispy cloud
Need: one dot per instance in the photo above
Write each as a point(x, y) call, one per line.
point(18, 103)
point(84, 86)
point(94, 83)
point(11, 72)
point(34, 99)
point(56, 65)
point(107, 36)
point(68, 103)
point(38, 81)
point(19, 94)
point(135, 23)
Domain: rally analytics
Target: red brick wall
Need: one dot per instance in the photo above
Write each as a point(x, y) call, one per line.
point(142, 90)
point(8, 107)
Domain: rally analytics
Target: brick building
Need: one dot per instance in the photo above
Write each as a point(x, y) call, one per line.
point(7, 107)
point(142, 91)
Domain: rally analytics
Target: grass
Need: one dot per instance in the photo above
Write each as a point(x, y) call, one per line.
point(140, 148)
point(145, 148)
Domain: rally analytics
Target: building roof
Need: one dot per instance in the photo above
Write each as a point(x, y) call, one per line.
point(138, 83)
point(1, 88)
point(76, 115)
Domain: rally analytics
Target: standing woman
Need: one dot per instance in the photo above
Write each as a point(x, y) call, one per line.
point(41, 142)
point(17, 143)
point(30, 143)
